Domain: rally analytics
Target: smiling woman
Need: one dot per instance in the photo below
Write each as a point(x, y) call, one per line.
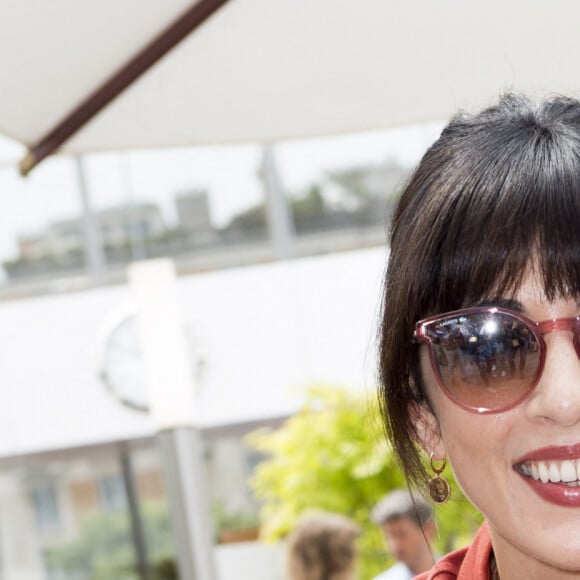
point(480, 336)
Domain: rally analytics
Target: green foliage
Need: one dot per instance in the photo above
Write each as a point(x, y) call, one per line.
point(226, 520)
point(104, 548)
point(253, 218)
point(353, 181)
point(310, 204)
point(333, 456)
point(164, 570)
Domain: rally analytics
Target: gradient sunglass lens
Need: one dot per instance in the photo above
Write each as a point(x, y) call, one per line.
point(485, 360)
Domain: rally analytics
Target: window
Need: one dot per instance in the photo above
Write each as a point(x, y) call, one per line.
point(112, 493)
point(45, 502)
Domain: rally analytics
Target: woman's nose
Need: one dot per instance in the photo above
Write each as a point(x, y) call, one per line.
point(556, 398)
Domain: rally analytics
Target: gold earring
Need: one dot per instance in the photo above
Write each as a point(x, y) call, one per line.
point(439, 488)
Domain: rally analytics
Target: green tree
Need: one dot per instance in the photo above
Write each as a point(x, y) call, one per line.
point(104, 547)
point(354, 182)
point(251, 219)
point(332, 455)
point(309, 208)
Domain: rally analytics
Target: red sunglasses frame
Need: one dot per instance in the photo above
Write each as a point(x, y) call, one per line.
point(538, 329)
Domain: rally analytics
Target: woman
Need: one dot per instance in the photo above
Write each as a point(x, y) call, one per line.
point(322, 547)
point(486, 238)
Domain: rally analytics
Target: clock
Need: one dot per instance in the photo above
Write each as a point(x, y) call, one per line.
point(122, 368)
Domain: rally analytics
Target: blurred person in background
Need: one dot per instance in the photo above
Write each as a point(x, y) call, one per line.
point(407, 521)
point(322, 547)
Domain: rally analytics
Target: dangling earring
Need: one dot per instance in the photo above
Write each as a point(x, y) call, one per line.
point(439, 488)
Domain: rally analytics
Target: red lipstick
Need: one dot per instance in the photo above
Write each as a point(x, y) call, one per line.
point(556, 493)
point(553, 453)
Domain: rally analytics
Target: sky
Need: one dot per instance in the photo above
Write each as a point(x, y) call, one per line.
point(229, 173)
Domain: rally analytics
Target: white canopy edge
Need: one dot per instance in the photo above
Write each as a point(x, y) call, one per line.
point(266, 70)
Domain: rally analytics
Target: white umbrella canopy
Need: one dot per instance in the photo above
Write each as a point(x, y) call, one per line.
point(265, 70)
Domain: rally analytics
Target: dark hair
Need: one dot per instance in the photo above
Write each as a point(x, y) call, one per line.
point(321, 547)
point(498, 192)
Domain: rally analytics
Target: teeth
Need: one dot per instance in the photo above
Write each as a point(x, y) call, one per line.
point(543, 471)
point(567, 471)
point(554, 473)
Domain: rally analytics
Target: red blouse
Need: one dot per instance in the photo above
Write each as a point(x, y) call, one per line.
point(471, 563)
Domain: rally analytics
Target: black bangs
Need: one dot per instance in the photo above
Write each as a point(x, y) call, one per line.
point(496, 195)
point(507, 200)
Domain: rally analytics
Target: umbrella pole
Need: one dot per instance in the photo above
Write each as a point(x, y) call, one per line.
point(173, 402)
point(181, 453)
point(112, 87)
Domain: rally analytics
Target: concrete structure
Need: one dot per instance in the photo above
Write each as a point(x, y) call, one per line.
point(265, 332)
point(193, 212)
point(194, 218)
point(118, 226)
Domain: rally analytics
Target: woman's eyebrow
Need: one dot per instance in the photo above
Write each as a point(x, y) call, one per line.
point(508, 303)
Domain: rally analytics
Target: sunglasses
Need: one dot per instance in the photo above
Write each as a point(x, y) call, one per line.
point(489, 359)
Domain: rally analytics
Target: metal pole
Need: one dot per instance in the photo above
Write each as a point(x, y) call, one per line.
point(137, 527)
point(184, 471)
point(92, 236)
point(197, 13)
point(280, 219)
point(171, 393)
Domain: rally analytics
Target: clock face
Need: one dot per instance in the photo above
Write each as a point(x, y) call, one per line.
point(123, 368)
point(122, 365)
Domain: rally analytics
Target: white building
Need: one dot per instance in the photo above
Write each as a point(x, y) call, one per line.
point(265, 332)
point(118, 226)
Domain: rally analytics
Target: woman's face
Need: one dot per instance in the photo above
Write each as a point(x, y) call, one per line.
point(528, 526)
